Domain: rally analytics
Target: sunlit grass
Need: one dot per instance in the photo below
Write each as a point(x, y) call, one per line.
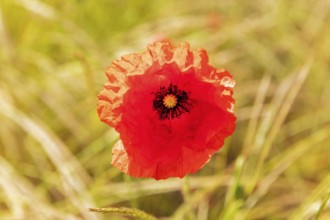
point(55, 153)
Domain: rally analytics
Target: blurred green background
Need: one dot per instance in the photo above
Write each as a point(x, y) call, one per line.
point(55, 154)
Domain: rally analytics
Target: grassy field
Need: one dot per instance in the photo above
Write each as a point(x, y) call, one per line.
point(55, 154)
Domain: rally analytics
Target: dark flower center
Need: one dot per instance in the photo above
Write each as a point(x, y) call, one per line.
point(171, 102)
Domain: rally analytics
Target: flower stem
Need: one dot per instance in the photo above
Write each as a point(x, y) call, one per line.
point(130, 212)
point(186, 192)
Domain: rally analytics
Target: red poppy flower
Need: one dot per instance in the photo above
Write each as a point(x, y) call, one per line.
point(171, 108)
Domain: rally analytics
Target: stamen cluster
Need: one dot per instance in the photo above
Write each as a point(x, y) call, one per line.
point(171, 102)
